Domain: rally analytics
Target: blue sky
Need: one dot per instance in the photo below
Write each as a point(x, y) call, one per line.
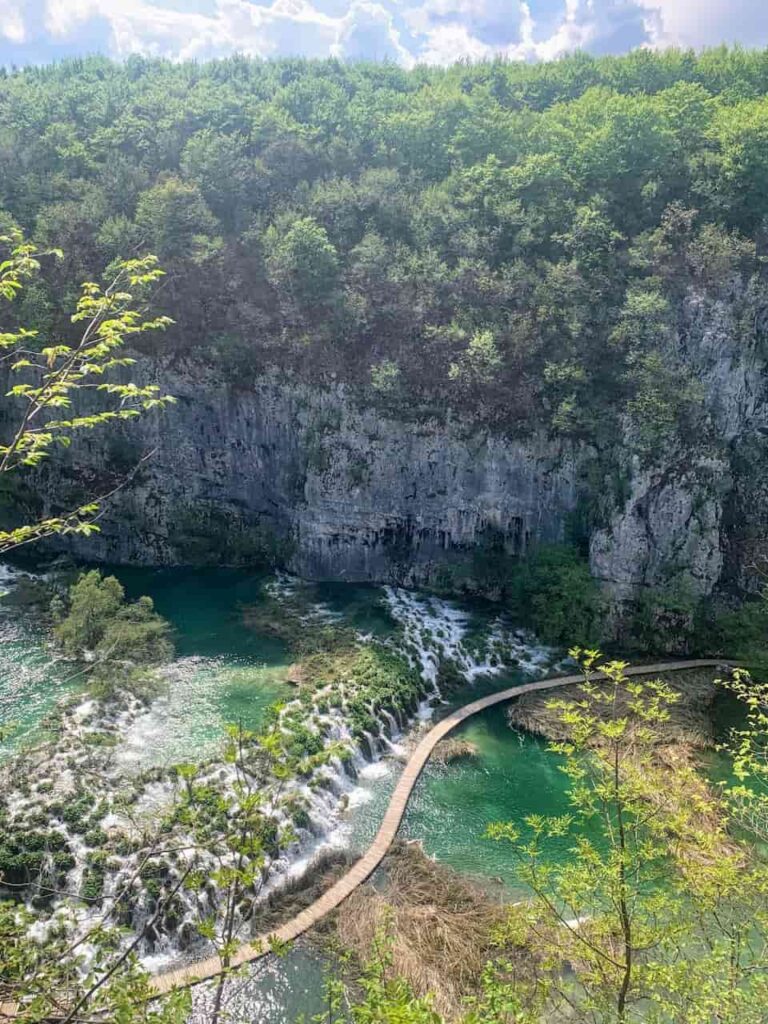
point(406, 31)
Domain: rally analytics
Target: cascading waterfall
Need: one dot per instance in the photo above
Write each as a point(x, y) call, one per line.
point(437, 630)
point(429, 632)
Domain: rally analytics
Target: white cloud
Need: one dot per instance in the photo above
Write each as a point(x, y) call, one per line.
point(469, 28)
point(284, 27)
point(492, 22)
point(138, 27)
point(433, 31)
point(449, 43)
point(573, 32)
point(367, 31)
point(453, 30)
point(700, 23)
point(12, 21)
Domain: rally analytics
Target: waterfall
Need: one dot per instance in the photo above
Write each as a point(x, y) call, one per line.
point(430, 633)
point(435, 631)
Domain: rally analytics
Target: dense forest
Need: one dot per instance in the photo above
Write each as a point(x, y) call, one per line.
point(505, 240)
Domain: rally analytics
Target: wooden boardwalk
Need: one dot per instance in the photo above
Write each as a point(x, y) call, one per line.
point(204, 970)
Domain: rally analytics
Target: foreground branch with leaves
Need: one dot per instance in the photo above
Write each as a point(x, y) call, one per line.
point(658, 914)
point(63, 387)
point(62, 390)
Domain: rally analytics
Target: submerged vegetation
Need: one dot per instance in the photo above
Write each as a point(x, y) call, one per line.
point(187, 851)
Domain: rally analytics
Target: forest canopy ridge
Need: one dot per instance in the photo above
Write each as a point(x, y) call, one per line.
point(515, 241)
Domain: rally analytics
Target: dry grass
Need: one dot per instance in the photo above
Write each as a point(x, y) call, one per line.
point(450, 750)
point(704, 839)
point(296, 894)
point(690, 719)
point(440, 925)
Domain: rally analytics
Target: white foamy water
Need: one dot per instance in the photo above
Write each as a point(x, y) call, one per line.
point(201, 696)
point(437, 630)
point(374, 770)
point(204, 693)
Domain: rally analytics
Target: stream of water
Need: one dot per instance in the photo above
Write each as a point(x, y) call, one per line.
point(225, 672)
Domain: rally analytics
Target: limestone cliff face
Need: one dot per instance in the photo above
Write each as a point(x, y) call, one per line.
point(343, 492)
point(700, 515)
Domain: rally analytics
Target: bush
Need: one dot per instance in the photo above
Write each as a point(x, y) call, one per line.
point(554, 594)
point(100, 622)
point(93, 602)
point(138, 634)
point(666, 620)
point(28, 856)
point(742, 634)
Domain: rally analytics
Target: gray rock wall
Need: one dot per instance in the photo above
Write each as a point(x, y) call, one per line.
point(335, 490)
point(345, 493)
point(699, 516)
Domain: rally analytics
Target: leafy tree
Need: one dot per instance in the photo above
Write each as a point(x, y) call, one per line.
point(323, 218)
point(239, 830)
point(741, 633)
point(748, 745)
point(479, 363)
point(174, 220)
point(100, 623)
point(384, 376)
point(383, 998)
point(553, 591)
point(229, 179)
point(93, 602)
point(667, 407)
point(649, 911)
point(43, 982)
point(54, 374)
point(301, 261)
point(741, 133)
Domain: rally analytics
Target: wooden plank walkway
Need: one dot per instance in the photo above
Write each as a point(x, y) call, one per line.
point(204, 970)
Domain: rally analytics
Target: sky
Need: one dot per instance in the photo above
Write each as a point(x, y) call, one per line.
point(405, 31)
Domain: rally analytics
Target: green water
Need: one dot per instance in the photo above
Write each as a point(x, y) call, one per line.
point(31, 680)
point(360, 605)
point(204, 606)
point(512, 777)
point(224, 672)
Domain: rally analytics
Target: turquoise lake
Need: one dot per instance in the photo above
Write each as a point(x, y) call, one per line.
point(226, 672)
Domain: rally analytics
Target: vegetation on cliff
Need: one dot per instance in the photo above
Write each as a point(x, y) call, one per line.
point(513, 241)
